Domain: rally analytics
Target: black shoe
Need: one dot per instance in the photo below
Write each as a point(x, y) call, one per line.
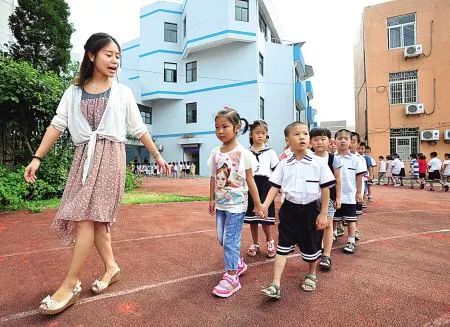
point(446, 188)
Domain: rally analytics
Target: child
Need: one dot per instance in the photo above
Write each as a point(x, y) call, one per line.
point(434, 169)
point(352, 172)
point(389, 168)
point(192, 168)
point(446, 171)
point(382, 170)
point(305, 180)
point(396, 169)
point(354, 143)
point(98, 111)
point(266, 159)
point(371, 164)
point(413, 170)
point(231, 178)
point(332, 147)
point(320, 139)
point(423, 167)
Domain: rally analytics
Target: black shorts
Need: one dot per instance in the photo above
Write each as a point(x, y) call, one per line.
point(359, 209)
point(346, 212)
point(263, 185)
point(298, 227)
point(434, 175)
point(422, 175)
point(402, 172)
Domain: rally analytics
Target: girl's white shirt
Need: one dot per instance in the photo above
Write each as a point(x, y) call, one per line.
point(121, 114)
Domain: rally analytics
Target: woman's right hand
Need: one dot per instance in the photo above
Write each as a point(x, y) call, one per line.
point(212, 208)
point(30, 171)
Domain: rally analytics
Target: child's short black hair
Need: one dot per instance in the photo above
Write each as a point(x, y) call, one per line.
point(342, 131)
point(358, 138)
point(368, 148)
point(288, 128)
point(362, 144)
point(413, 155)
point(447, 155)
point(380, 157)
point(320, 131)
point(433, 154)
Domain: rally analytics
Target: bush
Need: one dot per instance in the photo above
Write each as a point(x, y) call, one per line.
point(131, 180)
point(13, 188)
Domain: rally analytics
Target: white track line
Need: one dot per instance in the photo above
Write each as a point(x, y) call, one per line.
point(210, 273)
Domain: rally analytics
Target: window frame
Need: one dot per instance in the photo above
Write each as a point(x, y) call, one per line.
point(402, 34)
point(261, 108)
point(193, 72)
point(404, 83)
point(175, 75)
point(261, 64)
point(190, 109)
point(399, 135)
point(238, 8)
point(170, 30)
point(146, 114)
point(184, 26)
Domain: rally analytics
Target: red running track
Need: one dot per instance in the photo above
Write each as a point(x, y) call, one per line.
point(171, 261)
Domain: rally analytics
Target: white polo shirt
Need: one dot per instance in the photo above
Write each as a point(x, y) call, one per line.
point(352, 166)
point(302, 180)
point(435, 164)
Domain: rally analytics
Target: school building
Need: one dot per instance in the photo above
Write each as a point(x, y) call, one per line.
point(402, 77)
point(195, 57)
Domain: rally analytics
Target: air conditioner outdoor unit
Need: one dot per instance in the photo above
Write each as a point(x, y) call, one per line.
point(447, 135)
point(413, 50)
point(414, 108)
point(429, 135)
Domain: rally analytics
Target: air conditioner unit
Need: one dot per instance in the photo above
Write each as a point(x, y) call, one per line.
point(414, 108)
point(413, 50)
point(429, 135)
point(447, 135)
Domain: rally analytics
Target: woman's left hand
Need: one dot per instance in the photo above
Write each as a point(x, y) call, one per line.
point(162, 163)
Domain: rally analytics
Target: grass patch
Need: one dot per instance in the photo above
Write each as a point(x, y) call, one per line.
point(134, 197)
point(145, 198)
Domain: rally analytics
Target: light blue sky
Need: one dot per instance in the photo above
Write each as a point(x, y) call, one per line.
point(329, 28)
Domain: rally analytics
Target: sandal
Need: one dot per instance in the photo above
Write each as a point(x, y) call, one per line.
point(310, 283)
point(253, 250)
point(271, 251)
point(325, 263)
point(272, 291)
point(51, 307)
point(99, 287)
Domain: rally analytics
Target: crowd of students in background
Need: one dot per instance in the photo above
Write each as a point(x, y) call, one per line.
point(177, 169)
point(421, 172)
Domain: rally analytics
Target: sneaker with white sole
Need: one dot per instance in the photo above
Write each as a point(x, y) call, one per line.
point(350, 248)
point(339, 230)
point(227, 286)
point(242, 267)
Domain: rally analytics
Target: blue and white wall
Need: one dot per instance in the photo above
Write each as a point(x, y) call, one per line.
point(227, 56)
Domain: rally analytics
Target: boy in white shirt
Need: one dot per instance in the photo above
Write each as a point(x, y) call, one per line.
point(352, 172)
point(434, 169)
point(305, 180)
point(446, 171)
point(396, 169)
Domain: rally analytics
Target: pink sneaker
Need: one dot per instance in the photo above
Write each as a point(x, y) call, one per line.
point(227, 286)
point(242, 267)
point(271, 249)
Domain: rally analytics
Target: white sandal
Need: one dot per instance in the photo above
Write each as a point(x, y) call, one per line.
point(53, 307)
point(99, 287)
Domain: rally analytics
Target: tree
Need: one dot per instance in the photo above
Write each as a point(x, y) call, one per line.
point(28, 101)
point(42, 34)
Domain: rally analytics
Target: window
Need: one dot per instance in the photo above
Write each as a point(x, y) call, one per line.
point(184, 27)
point(146, 113)
point(170, 72)
point(262, 26)
point(401, 31)
point(241, 10)
point(191, 113)
point(404, 141)
point(170, 32)
point(261, 108)
point(191, 72)
point(261, 64)
point(403, 87)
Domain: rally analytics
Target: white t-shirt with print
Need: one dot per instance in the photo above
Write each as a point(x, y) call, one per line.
point(229, 171)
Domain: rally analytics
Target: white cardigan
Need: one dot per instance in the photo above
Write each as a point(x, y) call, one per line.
point(121, 114)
